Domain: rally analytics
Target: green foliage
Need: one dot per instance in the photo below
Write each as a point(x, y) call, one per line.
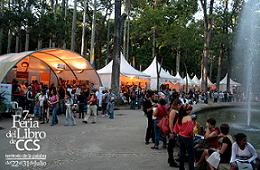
point(177, 31)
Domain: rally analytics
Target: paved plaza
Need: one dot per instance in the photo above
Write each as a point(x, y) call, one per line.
point(108, 144)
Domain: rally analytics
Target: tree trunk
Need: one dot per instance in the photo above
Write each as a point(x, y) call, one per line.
point(50, 42)
point(126, 31)
point(116, 58)
point(39, 45)
point(73, 29)
point(17, 44)
point(207, 40)
point(133, 61)
point(210, 68)
point(27, 40)
point(99, 55)
point(83, 29)
point(154, 56)
point(108, 40)
point(158, 71)
point(225, 30)
point(178, 59)
point(127, 38)
point(221, 55)
point(93, 31)
point(9, 41)
point(65, 7)
point(1, 29)
point(1, 38)
point(124, 38)
point(228, 70)
point(187, 82)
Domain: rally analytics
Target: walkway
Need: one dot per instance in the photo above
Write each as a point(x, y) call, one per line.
point(109, 144)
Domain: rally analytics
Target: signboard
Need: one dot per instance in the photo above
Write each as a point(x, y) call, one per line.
point(22, 75)
point(6, 89)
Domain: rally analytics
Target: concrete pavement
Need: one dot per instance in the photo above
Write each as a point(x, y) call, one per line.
point(108, 144)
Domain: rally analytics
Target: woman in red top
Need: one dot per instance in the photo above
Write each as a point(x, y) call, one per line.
point(158, 114)
point(184, 129)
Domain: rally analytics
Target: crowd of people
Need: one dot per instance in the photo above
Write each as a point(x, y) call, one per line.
point(200, 147)
point(197, 145)
point(73, 100)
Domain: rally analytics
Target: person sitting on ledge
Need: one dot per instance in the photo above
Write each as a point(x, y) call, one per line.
point(243, 154)
point(225, 144)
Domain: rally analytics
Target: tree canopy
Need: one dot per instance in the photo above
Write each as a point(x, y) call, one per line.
point(48, 23)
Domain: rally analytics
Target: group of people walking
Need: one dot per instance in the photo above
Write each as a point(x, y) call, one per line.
point(184, 132)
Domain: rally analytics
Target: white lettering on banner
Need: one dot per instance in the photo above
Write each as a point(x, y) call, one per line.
point(25, 137)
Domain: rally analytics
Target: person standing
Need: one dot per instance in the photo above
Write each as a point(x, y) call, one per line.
point(92, 109)
point(104, 103)
point(54, 100)
point(173, 117)
point(29, 100)
point(158, 114)
point(82, 104)
point(70, 120)
point(148, 111)
point(61, 93)
point(111, 104)
point(184, 129)
point(44, 106)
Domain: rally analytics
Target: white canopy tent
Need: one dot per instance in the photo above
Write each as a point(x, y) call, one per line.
point(126, 70)
point(196, 80)
point(190, 81)
point(152, 72)
point(223, 84)
point(180, 79)
point(208, 81)
point(46, 64)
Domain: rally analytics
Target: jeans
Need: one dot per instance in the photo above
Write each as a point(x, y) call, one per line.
point(110, 110)
point(156, 132)
point(54, 119)
point(37, 110)
point(170, 147)
point(62, 107)
point(150, 128)
point(186, 144)
point(133, 104)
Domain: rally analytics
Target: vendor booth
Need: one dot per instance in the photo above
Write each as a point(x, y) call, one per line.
point(223, 84)
point(164, 76)
point(47, 66)
point(190, 82)
point(173, 86)
point(129, 76)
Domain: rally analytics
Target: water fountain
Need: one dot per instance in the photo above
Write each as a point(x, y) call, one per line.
point(246, 63)
point(246, 53)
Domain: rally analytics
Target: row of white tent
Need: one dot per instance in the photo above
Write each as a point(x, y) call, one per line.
point(151, 74)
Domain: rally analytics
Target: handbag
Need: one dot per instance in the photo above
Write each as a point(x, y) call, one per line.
point(164, 125)
point(214, 159)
